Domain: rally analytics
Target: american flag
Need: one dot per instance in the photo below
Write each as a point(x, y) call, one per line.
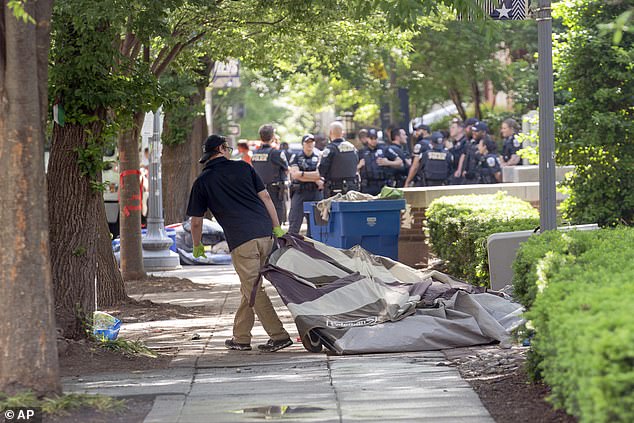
point(503, 9)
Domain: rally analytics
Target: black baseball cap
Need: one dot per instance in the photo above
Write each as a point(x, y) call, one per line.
point(308, 138)
point(210, 147)
point(470, 122)
point(437, 137)
point(480, 126)
point(372, 133)
point(423, 126)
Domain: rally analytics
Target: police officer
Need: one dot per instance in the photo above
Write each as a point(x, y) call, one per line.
point(423, 144)
point(459, 168)
point(460, 141)
point(271, 165)
point(307, 184)
point(338, 164)
point(489, 171)
point(436, 163)
point(362, 136)
point(422, 133)
point(375, 165)
point(284, 149)
point(512, 145)
point(399, 139)
point(472, 154)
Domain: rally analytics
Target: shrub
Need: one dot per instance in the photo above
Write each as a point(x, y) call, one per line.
point(540, 256)
point(459, 227)
point(582, 285)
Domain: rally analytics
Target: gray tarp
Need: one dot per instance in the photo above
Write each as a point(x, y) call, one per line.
point(354, 302)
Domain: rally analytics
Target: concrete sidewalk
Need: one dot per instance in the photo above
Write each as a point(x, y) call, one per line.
point(207, 383)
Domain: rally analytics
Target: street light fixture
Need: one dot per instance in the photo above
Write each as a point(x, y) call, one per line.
point(156, 244)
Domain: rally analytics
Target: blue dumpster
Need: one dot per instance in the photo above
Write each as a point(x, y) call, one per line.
point(375, 225)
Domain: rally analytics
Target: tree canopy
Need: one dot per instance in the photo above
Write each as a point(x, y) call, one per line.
point(595, 124)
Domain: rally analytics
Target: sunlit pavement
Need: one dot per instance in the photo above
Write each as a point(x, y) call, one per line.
point(208, 383)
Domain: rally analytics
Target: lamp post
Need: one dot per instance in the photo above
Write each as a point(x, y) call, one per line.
point(547, 184)
point(156, 244)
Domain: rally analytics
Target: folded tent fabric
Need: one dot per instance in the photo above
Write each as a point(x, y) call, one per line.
point(324, 205)
point(360, 303)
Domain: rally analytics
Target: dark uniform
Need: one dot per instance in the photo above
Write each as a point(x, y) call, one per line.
point(436, 163)
point(271, 165)
point(338, 167)
point(511, 146)
point(470, 165)
point(459, 147)
point(488, 166)
point(302, 191)
point(422, 145)
point(399, 175)
point(373, 176)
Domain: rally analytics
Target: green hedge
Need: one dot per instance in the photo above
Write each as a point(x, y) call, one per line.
point(579, 286)
point(459, 226)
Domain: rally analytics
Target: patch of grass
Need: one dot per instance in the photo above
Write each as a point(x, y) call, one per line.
point(60, 405)
point(25, 399)
point(127, 347)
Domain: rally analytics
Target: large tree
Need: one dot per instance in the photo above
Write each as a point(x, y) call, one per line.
point(83, 86)
point(28, 350)
point(595, 125)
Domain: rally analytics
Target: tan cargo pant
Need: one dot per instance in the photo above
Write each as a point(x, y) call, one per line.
point(248, 258)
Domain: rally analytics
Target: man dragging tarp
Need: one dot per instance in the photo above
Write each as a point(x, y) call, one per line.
point(235, 194)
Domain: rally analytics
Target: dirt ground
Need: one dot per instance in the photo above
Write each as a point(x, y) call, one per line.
point(86, 357)
point(162, 284)
point(498, 377)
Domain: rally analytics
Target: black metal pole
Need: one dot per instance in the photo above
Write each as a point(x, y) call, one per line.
point(547, 183)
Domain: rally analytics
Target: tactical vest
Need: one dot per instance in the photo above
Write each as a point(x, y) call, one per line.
point(437, 166)
point(344, 161)
point(307, 164)
point(472, 156)
point(511, 146)
point(487, 169)
point(403, 170)
point(372, 171)
point(261, 161)
point(459, 148)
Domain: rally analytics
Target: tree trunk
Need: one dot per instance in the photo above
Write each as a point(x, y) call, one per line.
point(180, 168)
point(130, 201)
point(74, 223)
point(456, 97)
point(477, 99)
point(196, 148)
point(28, 348)
point(110, 287)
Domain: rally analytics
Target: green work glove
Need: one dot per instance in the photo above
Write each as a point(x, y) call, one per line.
point(199, 251)
point(278, 231)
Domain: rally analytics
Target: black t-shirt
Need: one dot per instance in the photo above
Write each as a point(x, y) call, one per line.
point(229, 189)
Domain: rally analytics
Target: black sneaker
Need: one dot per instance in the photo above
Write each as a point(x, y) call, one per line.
point(233, 345)
point(272, 346)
